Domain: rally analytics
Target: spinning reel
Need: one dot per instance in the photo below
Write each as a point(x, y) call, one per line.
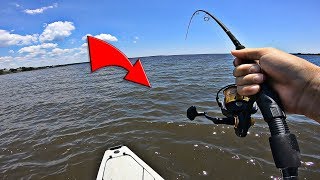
point(236, 108)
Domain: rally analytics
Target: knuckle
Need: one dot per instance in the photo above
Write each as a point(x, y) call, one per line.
point(240, 90)
point(236, 62)
point(243, 68)
point(236, 72)
point(238, 80)
point(258, 78)
point(247, 90)
point(255, 68)
point(270, 49)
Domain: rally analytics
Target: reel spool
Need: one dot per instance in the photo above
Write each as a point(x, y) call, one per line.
point(234, 103)
point(239, 107)
point(236, 108)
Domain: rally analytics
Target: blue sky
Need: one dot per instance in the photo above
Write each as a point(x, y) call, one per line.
point(38, 33)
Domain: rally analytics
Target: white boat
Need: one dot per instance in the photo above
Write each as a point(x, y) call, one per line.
point(120, 163)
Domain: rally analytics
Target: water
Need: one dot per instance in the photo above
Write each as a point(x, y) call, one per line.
point(56, 123)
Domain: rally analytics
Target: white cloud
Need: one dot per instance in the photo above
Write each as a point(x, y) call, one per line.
point(136, 37)
point(11, 51)
point(39, 10)
point(45, 54)
point(50, 50)
point(58, 51)
point(37, 49)
point(30, 49)
point(105, 37)
point(8, 39)
point(6, 58)
point(57, 31)
point(84, 45)
point(85, 37)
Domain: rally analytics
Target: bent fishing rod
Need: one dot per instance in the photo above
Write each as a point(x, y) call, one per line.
point(238, 109)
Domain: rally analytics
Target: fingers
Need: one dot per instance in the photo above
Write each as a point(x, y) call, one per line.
point(245, 69)
point(249, 76)
point(248, 90)
point(250, 79)
point(250, 53)
point(237, 62)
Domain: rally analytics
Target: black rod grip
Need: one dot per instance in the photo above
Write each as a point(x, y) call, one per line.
point(285, 150)
point(284, 146)
point(269, 103)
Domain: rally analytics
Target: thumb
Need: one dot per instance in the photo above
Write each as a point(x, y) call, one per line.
point(250, 53)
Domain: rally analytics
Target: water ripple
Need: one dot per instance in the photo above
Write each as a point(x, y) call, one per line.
point(56, 123)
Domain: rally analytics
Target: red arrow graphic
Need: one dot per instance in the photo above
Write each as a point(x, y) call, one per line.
point(103, 54)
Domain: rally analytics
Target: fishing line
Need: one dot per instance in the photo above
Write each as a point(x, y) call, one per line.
point(225, 29)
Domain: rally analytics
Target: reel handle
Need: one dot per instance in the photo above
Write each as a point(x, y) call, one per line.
point(192, 113)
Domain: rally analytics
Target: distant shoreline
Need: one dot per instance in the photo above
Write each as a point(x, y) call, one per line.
point(312, 54)
point(22, 69)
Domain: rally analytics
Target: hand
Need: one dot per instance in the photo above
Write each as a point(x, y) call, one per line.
point(296, 80)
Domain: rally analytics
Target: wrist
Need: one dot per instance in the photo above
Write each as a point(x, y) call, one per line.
point(311, 96)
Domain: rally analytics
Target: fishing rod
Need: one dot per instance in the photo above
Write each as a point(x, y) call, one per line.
point(238, 110)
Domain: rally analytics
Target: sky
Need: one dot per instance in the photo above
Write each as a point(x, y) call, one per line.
point(49, 32)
